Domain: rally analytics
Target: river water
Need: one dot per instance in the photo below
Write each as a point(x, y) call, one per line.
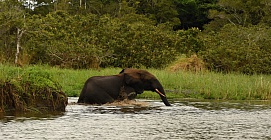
point(146, 119)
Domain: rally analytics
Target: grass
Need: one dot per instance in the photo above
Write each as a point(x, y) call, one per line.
point(31, 89)
point(201, 85)
point(211, 85)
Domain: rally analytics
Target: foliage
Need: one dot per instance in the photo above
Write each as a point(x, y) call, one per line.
point(66, 41)
point(190, 11)
point(137, 33)
point(239, 12)
point(11, 19)
point(237, 38)
point(86, 41)
point(161, 11)
point(191, 42)
point(137, 42)
point(25, 89)
point(243, 49)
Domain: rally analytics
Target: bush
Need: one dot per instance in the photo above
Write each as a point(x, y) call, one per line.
point(63, 40)
point(239, 49)
point(136, 42)
point(191, 42)
point(89, 41)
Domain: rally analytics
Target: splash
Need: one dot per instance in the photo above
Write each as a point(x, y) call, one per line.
point(127, 102)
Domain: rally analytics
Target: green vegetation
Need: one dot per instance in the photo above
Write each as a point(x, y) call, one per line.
point(29, 90)
point(205, 85)
point(200, 85)
point(245, 49)
point(229, 36)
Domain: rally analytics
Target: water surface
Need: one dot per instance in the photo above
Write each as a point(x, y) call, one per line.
point(146, 119)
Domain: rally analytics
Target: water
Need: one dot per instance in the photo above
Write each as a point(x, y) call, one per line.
point(146, 119)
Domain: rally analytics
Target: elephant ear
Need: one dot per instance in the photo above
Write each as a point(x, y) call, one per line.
point(132, 78)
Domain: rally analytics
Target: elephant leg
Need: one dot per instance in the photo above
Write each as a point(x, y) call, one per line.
point(103, 98)
point(127, 93)
point(96, 98)
point(132, 95)
point(122, 94)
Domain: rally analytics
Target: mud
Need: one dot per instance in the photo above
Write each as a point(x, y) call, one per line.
point(28, 98)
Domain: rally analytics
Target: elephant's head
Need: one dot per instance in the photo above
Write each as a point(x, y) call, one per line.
point(141, 80)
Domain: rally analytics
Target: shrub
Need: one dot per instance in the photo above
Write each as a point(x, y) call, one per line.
point(90, 41)
point(64, 40)
point(135, 42)
point(239, 49)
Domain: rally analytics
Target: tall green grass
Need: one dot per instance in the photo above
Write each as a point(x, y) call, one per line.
point(203, 85)
point(211, 85)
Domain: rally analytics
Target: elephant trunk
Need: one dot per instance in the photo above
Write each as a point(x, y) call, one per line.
point(163, 96)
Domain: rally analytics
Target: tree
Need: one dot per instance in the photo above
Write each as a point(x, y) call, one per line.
point(12, 27)
point(161, 11)
point(238, 12)
point(43, 7)
point(63, 40)
point(138, 42)
point(239, 49)
point(194, 13)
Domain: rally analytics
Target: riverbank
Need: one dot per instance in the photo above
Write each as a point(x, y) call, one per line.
point(201, 85)
point(29, 89)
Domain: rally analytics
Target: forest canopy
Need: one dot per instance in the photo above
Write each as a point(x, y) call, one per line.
point(229, 36)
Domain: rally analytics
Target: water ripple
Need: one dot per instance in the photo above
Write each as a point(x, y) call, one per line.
point(184, 120)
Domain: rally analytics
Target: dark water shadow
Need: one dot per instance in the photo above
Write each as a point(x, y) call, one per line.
point(23, 116)
point(245, 105)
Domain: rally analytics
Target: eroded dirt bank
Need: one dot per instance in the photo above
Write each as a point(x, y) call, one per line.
point(30, 98)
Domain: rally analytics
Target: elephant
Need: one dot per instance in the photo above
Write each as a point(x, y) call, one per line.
point(125, 85)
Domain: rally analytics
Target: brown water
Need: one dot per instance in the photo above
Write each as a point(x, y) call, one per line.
point(146, 119)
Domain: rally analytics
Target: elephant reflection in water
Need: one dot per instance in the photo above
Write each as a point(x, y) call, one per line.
point(126, 85)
